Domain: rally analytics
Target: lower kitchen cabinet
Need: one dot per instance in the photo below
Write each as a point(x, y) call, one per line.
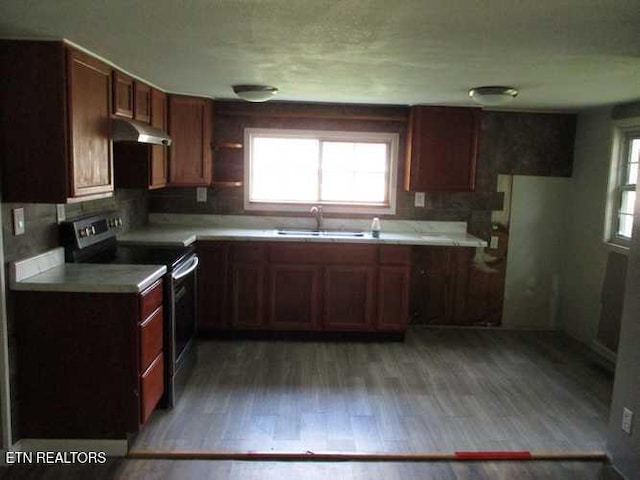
point(448, 289)
point(247, 296)
point(91, 365)
point(212, 287)
point(293, 299)
point(293, 286)
point(348, 297)
point(393, 298)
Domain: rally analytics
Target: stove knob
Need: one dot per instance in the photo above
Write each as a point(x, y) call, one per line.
point(82, 232)
point(93, 230)
point(119, 222)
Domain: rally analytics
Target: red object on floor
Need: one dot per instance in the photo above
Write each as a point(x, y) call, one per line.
point(495, 455)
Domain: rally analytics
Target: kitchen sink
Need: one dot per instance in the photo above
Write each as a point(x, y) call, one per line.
point(297, 232)
point(342, 233)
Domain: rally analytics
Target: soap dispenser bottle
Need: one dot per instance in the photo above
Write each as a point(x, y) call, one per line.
point(375, 227)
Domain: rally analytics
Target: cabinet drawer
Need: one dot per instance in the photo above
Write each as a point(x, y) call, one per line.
point(150, 338)
point(395, 255)
point(151, 387)
point(150, 299)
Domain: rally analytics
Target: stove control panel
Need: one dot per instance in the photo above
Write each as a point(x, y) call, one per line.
point(99, 226)
point(89, 231)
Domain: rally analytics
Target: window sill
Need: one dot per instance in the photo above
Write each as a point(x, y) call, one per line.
point(616, 248)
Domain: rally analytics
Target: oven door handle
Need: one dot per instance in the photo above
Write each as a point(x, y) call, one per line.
point(183, 272)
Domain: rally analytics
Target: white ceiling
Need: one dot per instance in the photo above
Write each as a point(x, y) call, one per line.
point(560, 54)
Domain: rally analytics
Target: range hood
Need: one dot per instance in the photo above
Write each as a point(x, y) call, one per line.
point(127, 130)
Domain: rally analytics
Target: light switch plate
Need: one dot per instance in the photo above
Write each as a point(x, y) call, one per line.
point(201, 194)
point(419, 199)
point(18, 221)
point(60, 213)
point(627, 421)
point(494, 241)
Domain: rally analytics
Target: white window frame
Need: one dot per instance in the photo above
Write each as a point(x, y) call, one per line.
point(623, 131)
point(388, 137)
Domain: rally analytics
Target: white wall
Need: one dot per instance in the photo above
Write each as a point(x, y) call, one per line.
point(585, 255)
point(536, 250)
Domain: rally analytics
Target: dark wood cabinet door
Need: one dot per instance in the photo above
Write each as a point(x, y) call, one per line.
point(293, 300)
point(442, 146)
point(348, 297)
point(123, 95)
point(443, 284)
point(89, 119)
point(212, 287)
point(393, 297)
point(461, 264)
point(142, 104)
point(431, 293)
point(190, 130)
point(158, 162)
point(247, 296)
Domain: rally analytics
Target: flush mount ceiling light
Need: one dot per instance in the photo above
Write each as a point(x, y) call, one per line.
point(492, 96)
point(255, 93)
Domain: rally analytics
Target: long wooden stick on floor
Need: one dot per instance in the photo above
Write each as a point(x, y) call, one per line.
point(367, 457)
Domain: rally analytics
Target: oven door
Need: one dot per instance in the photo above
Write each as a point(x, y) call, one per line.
point(181, 328)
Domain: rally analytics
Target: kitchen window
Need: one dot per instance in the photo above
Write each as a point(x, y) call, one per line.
point(622, 190)
point(289, 170)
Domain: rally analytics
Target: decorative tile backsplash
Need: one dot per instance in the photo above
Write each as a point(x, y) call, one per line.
point(42, 228)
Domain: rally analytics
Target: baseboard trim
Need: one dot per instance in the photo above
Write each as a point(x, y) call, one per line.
point(604, 351)
point(312, 336)
point(112, 448)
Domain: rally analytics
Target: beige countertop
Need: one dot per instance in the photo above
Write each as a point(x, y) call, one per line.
point(47, 272)
point(184, 235)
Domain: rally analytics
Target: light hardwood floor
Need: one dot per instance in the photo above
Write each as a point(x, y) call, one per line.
point(442, 390)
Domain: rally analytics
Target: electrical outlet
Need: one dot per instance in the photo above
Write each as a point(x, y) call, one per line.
point(201, 194)
point(18, 221)
point(627, 421)
point(60, 213)
point(494, 241)
point(419, 199)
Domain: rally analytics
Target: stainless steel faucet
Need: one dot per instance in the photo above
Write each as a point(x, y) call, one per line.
point(316, 211)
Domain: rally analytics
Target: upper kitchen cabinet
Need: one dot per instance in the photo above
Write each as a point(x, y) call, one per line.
point(131, 98)
point(55, 130)
point(142, 102)
point(140, 165)
point(123, 95)
point(442, 146)
point(190, 131)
